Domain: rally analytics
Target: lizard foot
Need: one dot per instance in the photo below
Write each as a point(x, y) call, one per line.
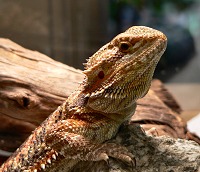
point(106, 150)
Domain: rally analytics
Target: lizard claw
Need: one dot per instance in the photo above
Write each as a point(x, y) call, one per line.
point(127, 159)
point(133, 164)
point(115, 151)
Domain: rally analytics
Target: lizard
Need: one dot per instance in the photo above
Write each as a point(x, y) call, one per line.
point(116, 76)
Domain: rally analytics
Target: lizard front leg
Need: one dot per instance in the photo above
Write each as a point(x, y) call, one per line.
point(73, 141)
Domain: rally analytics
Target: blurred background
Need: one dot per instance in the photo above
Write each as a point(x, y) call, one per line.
point(70, 31)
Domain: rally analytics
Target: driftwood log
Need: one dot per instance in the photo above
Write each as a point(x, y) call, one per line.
point(32, 85)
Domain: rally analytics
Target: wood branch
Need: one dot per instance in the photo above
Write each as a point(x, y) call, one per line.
point(32, 85)
point(164, 95)
point(151, 154)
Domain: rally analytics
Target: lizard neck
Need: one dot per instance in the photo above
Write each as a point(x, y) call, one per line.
point(117, 107)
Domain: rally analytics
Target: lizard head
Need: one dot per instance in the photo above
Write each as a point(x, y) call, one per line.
point(121, 71)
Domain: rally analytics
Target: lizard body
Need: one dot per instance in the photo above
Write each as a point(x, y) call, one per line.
point(116, 76)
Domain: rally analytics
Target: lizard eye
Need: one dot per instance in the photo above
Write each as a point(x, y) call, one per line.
point(124, 46)
point(101, 74)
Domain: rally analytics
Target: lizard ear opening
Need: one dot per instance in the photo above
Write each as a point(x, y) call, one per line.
point(101, 74)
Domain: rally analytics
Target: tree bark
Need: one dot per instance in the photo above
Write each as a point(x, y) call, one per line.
point(32, 85)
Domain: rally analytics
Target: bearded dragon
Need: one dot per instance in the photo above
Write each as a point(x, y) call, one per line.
point(116, 76)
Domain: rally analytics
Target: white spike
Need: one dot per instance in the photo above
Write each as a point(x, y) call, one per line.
point(107, 95)
point(116, 96)
point(87, 95)
point(78, 110)
point(42, 166)
point(54, 156)
point(111, 95)
point(49, 161)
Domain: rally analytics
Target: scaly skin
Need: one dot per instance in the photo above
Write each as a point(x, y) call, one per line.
point(116, 76)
